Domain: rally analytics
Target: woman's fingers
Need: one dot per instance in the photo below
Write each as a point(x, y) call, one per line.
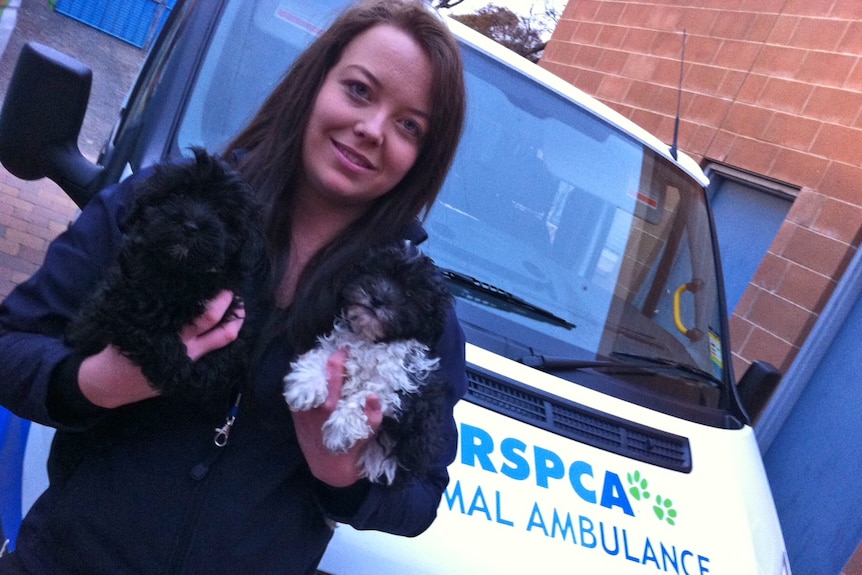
point(337, 469)
point(335, 378)
point(374, 412)
point(218, 326)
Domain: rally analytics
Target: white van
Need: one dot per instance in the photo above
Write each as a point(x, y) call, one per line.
point(602, 432)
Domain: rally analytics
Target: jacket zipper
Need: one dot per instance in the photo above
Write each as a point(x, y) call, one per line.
point(198, 473)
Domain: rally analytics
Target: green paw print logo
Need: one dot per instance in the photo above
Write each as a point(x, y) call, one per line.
point(638, 486)
point(664, 510)
point(662, 506)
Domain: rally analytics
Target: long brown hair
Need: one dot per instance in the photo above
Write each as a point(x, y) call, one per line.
point(272, 142)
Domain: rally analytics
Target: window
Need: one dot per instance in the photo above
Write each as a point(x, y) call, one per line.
point(748, 211)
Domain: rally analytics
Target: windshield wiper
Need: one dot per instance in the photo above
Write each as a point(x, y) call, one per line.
point(644, 363)
point(662, 362)
point(477, 285)
point(551, 362)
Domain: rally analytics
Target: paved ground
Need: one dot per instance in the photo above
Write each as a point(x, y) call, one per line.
point(33, 213)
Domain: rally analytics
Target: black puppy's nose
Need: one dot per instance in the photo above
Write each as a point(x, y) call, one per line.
point(190, 226)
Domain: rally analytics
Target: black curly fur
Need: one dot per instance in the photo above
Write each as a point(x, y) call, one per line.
point(412, 296)
point(416, 430)
point(192, 231)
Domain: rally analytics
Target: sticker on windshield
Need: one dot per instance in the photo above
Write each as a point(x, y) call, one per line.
point(302, 15)
point(715, 350)
point(647, 197)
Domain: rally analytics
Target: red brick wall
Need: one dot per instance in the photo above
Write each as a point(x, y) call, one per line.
point(773, 87)
point(31, 215)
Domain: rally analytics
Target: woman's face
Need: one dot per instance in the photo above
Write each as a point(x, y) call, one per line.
point(368, 121)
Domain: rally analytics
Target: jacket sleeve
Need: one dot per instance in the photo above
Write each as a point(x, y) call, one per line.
point(410, 509)
point(39, 372)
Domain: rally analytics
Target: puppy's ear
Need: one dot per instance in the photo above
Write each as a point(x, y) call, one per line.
point(254, 250)
point(166, 180)
point(416, 432)
point(431, 294)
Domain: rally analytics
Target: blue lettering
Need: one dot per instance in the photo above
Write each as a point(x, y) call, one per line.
point(649, 554)
point(499, 513)
point(548, 466)
point(536, 520)
point(613, 494)
point(478, 449)
point(516, 465)
point(479, 504)
point(700, 562)
point(577, 470)
point(616, 548)
point(629, 556)
point(666, 556)
point(586, 528)
point(476, 443)
point(682, 559)
point(564, 529)
point(455, 496)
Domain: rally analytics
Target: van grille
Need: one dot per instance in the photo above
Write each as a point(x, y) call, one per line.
point(578, 422)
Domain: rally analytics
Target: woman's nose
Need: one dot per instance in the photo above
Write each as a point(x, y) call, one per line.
point(371, 127)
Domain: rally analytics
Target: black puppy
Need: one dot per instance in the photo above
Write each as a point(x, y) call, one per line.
point(192, 231)
point(393, 312)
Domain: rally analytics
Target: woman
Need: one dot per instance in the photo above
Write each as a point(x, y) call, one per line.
point(350, 148)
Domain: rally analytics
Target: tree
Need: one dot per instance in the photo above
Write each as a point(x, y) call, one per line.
point(447, 3)
point(507, 28)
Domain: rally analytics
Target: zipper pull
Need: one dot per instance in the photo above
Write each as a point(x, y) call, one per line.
point(223, 432)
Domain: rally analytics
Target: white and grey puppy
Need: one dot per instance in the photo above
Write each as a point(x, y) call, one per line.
point(392, 313)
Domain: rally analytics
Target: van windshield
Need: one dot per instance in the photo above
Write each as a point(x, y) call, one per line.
point(553, 204)
point(573, 237)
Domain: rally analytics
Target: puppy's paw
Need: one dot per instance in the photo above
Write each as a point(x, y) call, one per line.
point(347, 425)
point(303, 395)
point(305, 387)
point(377, 465)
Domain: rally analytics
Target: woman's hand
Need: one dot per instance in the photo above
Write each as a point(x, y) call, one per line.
point(218, 326)
point(337, 470)
point(110, 379)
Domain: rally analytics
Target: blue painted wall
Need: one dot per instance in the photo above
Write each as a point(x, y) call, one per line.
point(137, 22)
point(814, 462)
point(746, 222)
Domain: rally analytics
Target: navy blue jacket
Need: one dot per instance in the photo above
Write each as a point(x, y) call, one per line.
point(143, 489)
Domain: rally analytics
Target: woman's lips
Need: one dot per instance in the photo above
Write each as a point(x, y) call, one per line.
point(353, 157)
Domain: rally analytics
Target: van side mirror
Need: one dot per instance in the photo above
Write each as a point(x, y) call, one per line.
point(41, 119)
point(756, 386)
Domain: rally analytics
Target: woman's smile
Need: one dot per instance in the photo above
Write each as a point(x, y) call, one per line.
point(369, 121)
point(353, 159)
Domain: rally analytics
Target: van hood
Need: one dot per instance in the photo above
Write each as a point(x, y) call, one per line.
point(525, 500)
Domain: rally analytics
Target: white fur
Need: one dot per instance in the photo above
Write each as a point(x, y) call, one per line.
point(381, 369)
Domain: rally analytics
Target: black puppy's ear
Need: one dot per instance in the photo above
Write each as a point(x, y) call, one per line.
point(135, 211)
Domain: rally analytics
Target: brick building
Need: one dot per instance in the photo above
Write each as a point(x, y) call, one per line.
point(773, 88)
point(772, 95)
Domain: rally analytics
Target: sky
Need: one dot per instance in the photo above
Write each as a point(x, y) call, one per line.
point(519, 7)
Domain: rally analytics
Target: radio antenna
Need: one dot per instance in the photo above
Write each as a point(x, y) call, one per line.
point(674, 146)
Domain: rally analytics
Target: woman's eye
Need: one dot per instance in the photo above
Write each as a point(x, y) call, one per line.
point(358, 90)
point(413, 128)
